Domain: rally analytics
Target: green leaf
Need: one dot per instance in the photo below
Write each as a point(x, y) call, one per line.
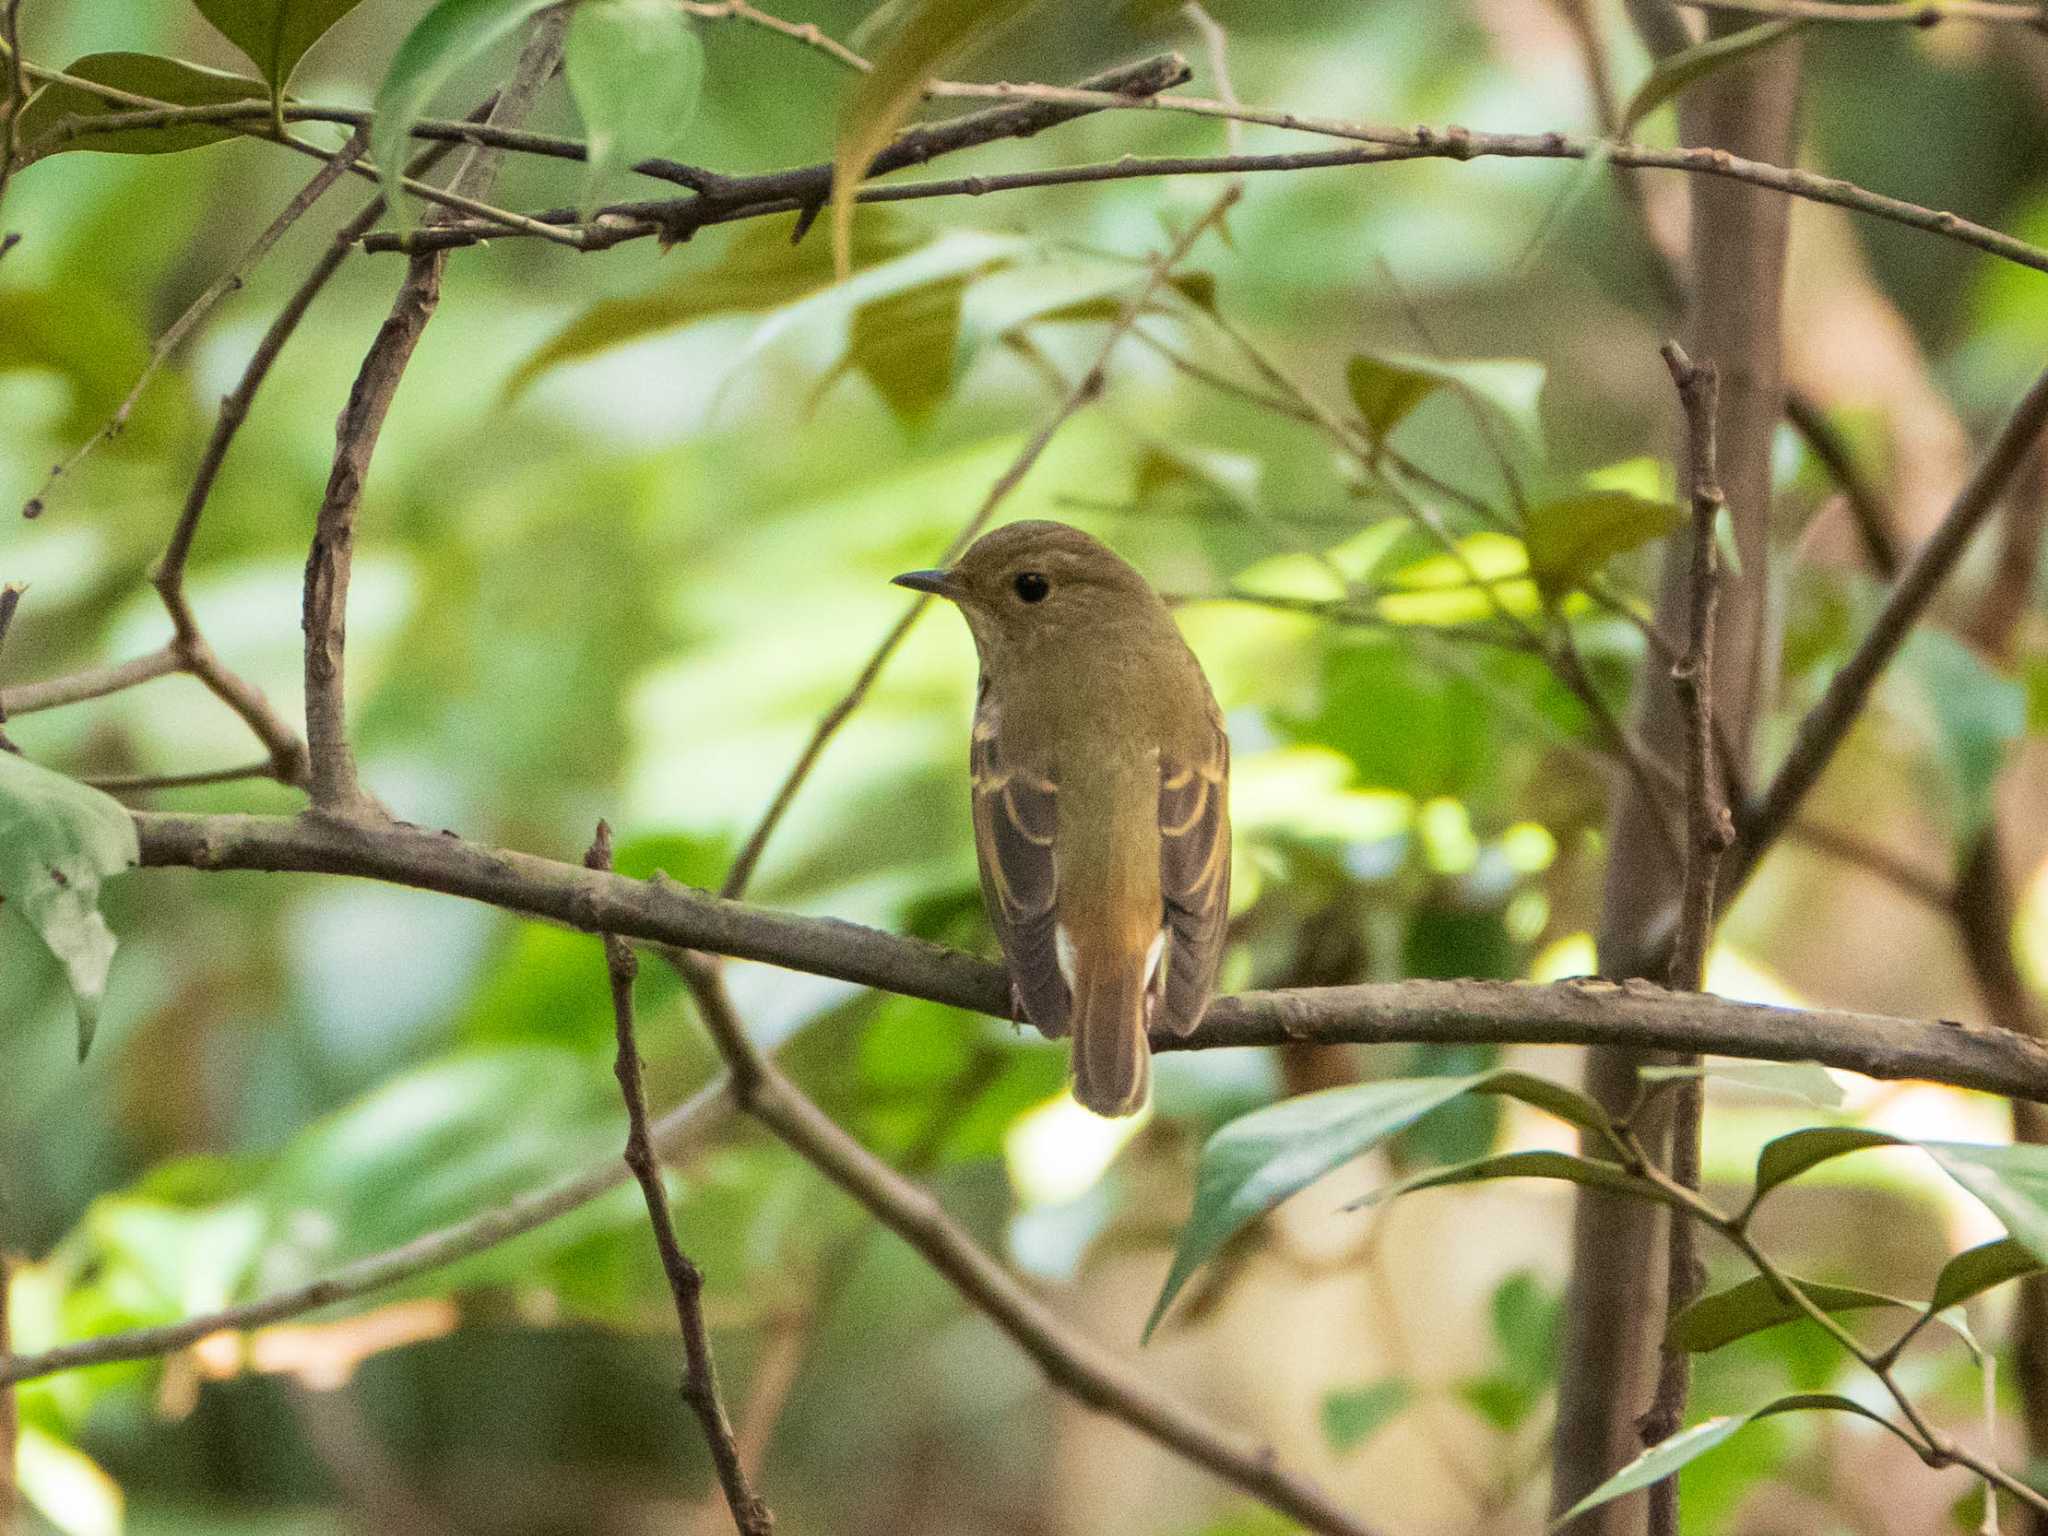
point(2012, 1181)
point(635, 69)
point(171, 81)
point(1976, 1270)
point(1667, 1457)
point(1792, 1154)
point(1527, 1317)
point(275, 34)
point(445, 39)
point(1387, 392)
point(1260, 1159)
point(929, 35)
point(1690, 65)
point(1571, 540)
point(1387, 386)
point(760, 270)
point(1351, 1416)
point(906, 344)
point(1583, 1171)
point(1255, 1162)
point(1757, 1304)
point(58, 840)
point(1807, 1080)
point(1971, 714)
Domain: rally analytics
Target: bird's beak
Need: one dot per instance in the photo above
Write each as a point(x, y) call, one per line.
point(938, 583)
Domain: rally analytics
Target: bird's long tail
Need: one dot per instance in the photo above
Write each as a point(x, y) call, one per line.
point(1111, 1008)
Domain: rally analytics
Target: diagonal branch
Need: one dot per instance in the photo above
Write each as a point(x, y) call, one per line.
point(1828, 722)
point(1074, 1364)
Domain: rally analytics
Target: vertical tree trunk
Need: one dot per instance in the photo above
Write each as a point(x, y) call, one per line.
point(1615, 1304)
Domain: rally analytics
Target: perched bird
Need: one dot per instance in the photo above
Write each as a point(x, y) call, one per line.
point(1101, 779)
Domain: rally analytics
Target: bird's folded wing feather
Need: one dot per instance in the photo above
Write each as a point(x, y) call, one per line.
point(1194, 875)
point(1015, 814)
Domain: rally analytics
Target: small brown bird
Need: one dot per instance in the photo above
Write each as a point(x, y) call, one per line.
point(1101, 781)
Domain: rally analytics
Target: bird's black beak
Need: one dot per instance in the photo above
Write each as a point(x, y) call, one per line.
point(938, 583)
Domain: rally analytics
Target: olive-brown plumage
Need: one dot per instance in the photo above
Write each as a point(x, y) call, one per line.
point(1101, 776)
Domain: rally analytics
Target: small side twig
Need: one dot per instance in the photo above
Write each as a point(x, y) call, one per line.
point(685, 1280)
point(10, 599)
point(1709, 832)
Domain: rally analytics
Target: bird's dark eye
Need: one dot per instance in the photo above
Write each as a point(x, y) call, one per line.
point(1031, 586)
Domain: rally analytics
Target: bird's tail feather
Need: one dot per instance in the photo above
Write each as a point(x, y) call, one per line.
point(1111, 1007)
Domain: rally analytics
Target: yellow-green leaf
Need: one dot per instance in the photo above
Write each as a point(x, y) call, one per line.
point(928, 36)
point(1690, 65)
point(1571, 539)
point(635, 69)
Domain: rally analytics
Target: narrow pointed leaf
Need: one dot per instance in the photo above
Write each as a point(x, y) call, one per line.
point(1255, 1162)
point(171, 81)
point(1756, 1304)
point(1584, 1171)
point(1807, 1080)
point(1663, 1459)
point(635, 69)
point(445, 39)
point(2012, 1181)
point(1792, 1154)
point(930, 35)
point(1352, 1416)
point(1690, 65)
point(1387, 386)
point(58, 840)
point(1976, 1270)
point(275, 34)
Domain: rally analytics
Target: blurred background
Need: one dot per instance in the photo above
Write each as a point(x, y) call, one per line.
point(623, 576)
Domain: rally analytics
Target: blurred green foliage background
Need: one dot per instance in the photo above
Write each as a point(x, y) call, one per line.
point(628, 588)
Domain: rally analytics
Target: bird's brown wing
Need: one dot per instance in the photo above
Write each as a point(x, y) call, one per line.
point(1194, 874)
point(1015, 814)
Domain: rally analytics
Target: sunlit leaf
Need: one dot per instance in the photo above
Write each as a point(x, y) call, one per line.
point(58, 840)
point(1662, 1460)
point(171, 81)
point(1792, 1154)
point(1254, 1163)
point(1690, 65)
point(1976, 1270)
point(1756, 1304)
point(440, 43)
point(930, 35)
point(1352, 1415)
point(635, 69)
point(1971, 714)
point(2011, 1180)
point(71, 1490)
point(760, 270)
point(1387, 387)
point(1571, 540)
point(1807, 1080)
point(275, 34)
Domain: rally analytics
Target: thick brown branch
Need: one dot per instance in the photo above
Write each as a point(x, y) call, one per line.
point(660, 911)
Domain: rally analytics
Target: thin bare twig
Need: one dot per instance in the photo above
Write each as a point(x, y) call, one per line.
point(1877, 525)
point(1072, 1363)
point(685, 1280)
point(1087, 389)
point(95, 683)
point(805, 32)
point(228, 282)
point(16, 97)
point(10, 599)
point(1709, 831)
point(136, 783)
point(1911, 13)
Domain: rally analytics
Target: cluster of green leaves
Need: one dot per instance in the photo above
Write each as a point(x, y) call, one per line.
point(1255, 1162)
